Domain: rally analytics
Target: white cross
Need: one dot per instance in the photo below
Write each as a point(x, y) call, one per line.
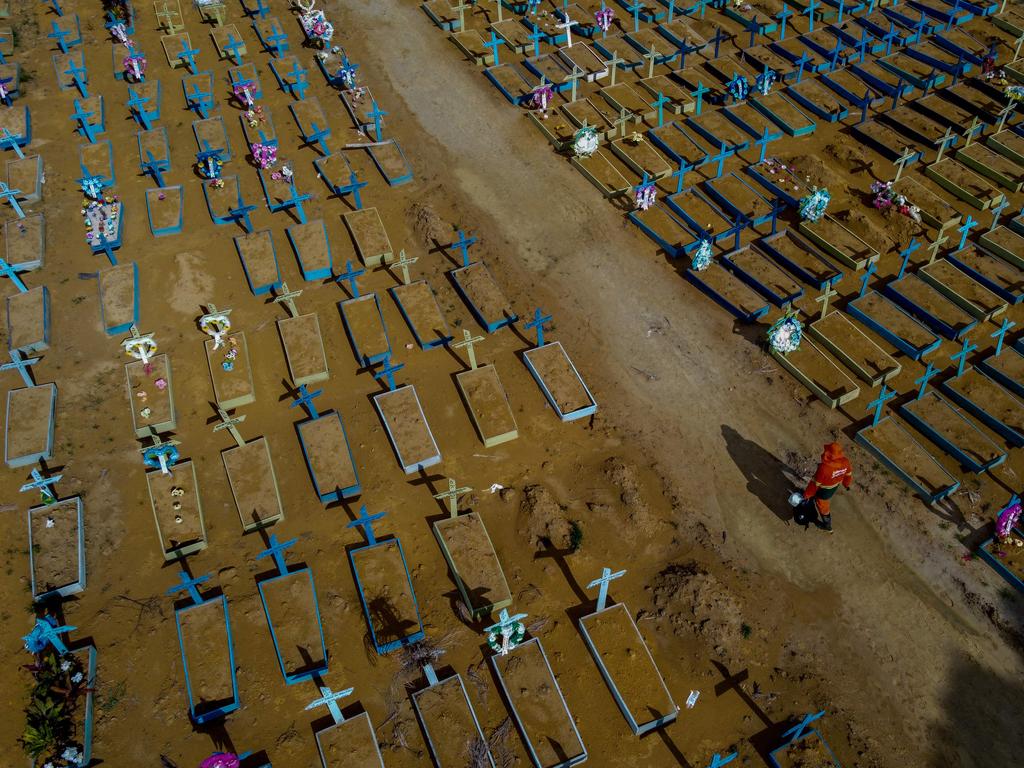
point(567, 25)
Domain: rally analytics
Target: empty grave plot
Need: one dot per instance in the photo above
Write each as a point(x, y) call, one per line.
point(800, 258)
point(153, 145)
point(174, 45)
point(560, 382)
point(407, 428)
point(119, 297)
point(253, 482)
point(641, 157)
point(538, 707)
point(477, 286)
point(448, 721)
point(17, 123)
point(28, 320)
point(997, 275)
point(259, 261)
point(351, 744)
point(312, 249)
point(899, 450)
point(945, 425)
point(1002, 170)
point(758, 271)
point(166, 209)
point(854, 348)
point(222, 195)
point(30, 423)
point(964, 183)
point(370, 237)
point(1006, 244)
point(293, 615)
point(208, 657)
point(210, 134)
point(386, 592)
point(230, 371)
point(328, 456)
point(57, 548)
point(923, 300)
point(1007, 368)
point(391, 162)
point(309, 118)
point(97, 159)
point(488, 405)
point(364, 324)
point(25, 241)
point(418, 305)
point(628, 668)
point(600, 172)
point(177, 510)
point(470, 554)
point(303, 349)
point(26, 174)
point(151, 395)
point(223, 37)
point(816, 371)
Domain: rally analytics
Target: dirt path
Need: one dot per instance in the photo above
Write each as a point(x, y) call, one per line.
point(895, 636)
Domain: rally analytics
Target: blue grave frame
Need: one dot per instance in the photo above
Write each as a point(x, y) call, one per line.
point(175, 228)
point(408, 639)
point(862, 437)
point(513, 99)
point(712, 194)
point(307, 674)
point(362, 359)
point(579, 413)
point(274, 50)
point(877, 83)
point(228, 219)
point(226, 155)
point(490, 325)
point(272, 206)
point(674, 250)
point(107, 177)
point(904, 346)
point(80, 55)
point(985, 553)
point(78, 584)
point(773, 761)
point(432, 343)
point(945, 17)
point(39, 345)
point(393, 181)
point(164, 163)
point(117, 330)
point(47, 452)
point(779, 300)
point(804, 130)
point(891, 292)
point(203, 113)
point(327, 496)
point(316, 274)
point(1011, 435)
point(214, 713)
point(235, 75)
point(1006, 295)
point(651, 16)
point(260, 290)
point(285, 86)
point(692, 224)
point(767, 244)
point(937, 437)
point(694, 278)
point(987, 367)
point(419, 465)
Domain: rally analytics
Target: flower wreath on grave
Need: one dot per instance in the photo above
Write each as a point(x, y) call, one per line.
point(765, 81)
point(142, 348)
point(255, 115)
point(504, 641)
point(739, 88)
point(646, 195)
point(134, 66)
point(1014, 92)
point(603, 17)
point(265, 155)
point(166, 451)
point(92, 186)
point(314, 22)
point(120, 33)
point(541, 97)
point(812, 207)
point(702, 256)
point(1007, 520)
point(210, 168)
point(216, 326)
point(221, 760)
point(786, 334)
point(101, 218)
point(886, 198)
point(585, 142)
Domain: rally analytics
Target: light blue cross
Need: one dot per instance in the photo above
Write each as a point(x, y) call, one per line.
point(366, 521)
point(1000, 334)
point(330, 699)
point(606, 578)
point(884, 396)
point(276, 550)
point(190, 585)
point(961, 356)
point(306, 400)
point(538, 321)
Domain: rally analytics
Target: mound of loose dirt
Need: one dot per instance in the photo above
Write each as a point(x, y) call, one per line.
point(542, 518)
point(626, 479)
point(692, 601)
point(428, 225)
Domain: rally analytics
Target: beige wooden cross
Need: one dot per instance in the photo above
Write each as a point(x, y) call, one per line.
point(902, 161)
point(1004, 113)
point(613, 65)
point(468, 340)
point(651, 56)
point(933, 249)
point(624, 117)
point(969, 133)
point(1017, 47)
point(288, 298)
point(451, 496)
point(574, 76)
point(943, 142)
point(826, 294)
point(213, 12)
point(461, 8)
point(166, 16)
point(497, 3)
point(403, 264)
point(230, 423)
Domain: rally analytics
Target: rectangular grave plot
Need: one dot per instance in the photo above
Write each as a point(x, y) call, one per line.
point(152, 404)
point(701, 215)
point(310, 118)
point(967, 293)
point(351, 743)
point(253, 483)
point(165, 207)
point(230, 371)
point(30, 420)
point(991, 164)
point(246, 72)
point(359, 103)
point(923, 301)
point(365, 328)
point(1007, 369)
point(642, 158)
point(623, 96)
point(763, 275)
point(962, 182)
point(628, 668)
point(284, 70)
point(678, 145)
point(211, 134)
point(801, 259)
point(1009, 143)
point(328, 456)
point(421, 312)
point(471, 43)
point(667, 231)
point(222, 38)
point(119, 297)
point(386, 592)
point(583, 56)
point(293, 615)
point(816, 371)
point(896, 447)
point(839, 242)
point(154, 147)
point(391, 162)
point(25, 242)
point(303, 349)
point(312, 249)
point(407, 428)
point(56, 548)
point(941, 422)
point(259, 261)
point(995, 274)
point(26, 174)
point(62, 63)
point(28, 320)
point(784, 113)
point(222, 195)
point(97, 159)
point(178, 516)
point(538, 707)
point(208, 659)
point(450, 725)
point(935, 211)
point(558, 132)
point(370, 238)
point(513, 33)
point(18, 123)
point(477, 287)
point(819, 99)
point(893, 324)
point(560, 382)
point(487, 404)
point(470, 555)
point(1009, 564)
point(990, 403)
point(737, 197)
point(510, 80)
point(809, 749)
point(854, 349)
point(1005, 243)
point(173, 45)
point(726, 289)
point(599, 171)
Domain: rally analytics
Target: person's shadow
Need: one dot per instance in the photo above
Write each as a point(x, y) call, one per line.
point(769, 479)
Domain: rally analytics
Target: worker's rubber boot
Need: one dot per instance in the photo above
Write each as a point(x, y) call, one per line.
point(826, 523)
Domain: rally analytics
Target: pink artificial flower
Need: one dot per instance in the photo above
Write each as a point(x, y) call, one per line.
point(160, 384)
point(221, 760)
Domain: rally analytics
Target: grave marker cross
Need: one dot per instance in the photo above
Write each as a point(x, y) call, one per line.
point(165, 18)
point(55, 5)
point(494, 44)
point(366, 521)
point(997, 211)
point(652, 58)
point(766, 138)
point(288, 298)
point(22, 365)
point(137, 105)
point(929, 373)
point(884, 395)
point(260, 9)
point(505, 627)
point(352, 188)
point(782, 16)
point(901, 162)
point(451, 496)
point(190, 585)
point(306, 399)
point(188, 56)
point(9, 271)
point(536, 37)
point(826, 294)
point(943, 143)
point(868, 272)
point(277, 41)
point(233, 47)
point(905, 254)
point(717, 761)
point(566, 25)
point(11, 196)
point(890, 37)
point(461, 9)
point(602, 582)
point(76, 72)
point(403, 263)
point(961, 357)
point(538, 322)
point(635, 10)
point(351, 276)
point(59, 34)
point(9, 141)
point(812, 6)
point(969, 133)
point(613, 66)
point(574, 78)
point(1004, 114)
point(463, 244)
point(659, 104)
point(965, 229)
point(1000, 334)
point(468, 341)
point(43, 485)
point(230, 423)
point(330, 699)
point(933, 249)
point(698, 94)
point(276, 550)
point(801, 63)
point(376, 114)
point(797, 731)
point(388, 371)
point(50, 634)
point(241, 215)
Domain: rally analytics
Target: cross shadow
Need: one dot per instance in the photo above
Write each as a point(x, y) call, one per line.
point(559, 556)
point(768, 479)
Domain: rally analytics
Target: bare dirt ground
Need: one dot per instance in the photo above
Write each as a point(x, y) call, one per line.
point(680, 477)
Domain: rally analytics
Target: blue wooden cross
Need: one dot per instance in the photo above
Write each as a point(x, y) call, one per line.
point(635, 8)
point(920, 27)
point(21, 364)
point(659, 104)
point(137, 106)
point(11, 196)
point(961, 356)
point(538, 321)
point(463, 244)
point(890, 37)
point(352, 188)
point(84, 126)
point(862, 43)
point(300, 85)
point(366, 521)
point(965, 229)
point(351, 276)
point(797, 731)
point(188, 56)
point(778, 206)
point(376, 116)
point(1000, 335)
point(505, 627)
point(55, 5)
point(276, 550)
point(319, 136)
point(9, 141)
point(59, 34)
point(699, 96)
point(494, 44)
point(388, 371)
point(929, 373)
point(3, 39)
point(782, 17)
point(536, 37)
point(997, 211)
point(801, 63)
point(79, 76)
point(833, 55)
point(812, 6)
point(42, 484)
point(7, 270)
point(884, 396)
point(348, 70)
point(868, 272)
point(865, 105)
point(190, 585)
point(277, 41)
point(754, 28)
point(330, 699)
point(736, 78)
point(241, 215)
point(49, 634)
point(606, 578)
point(912, 246)
point(766, 138)
point(91, 185)
point(896, 94)
point(260, 8)
point(201, 101)
point(719, 158)
point(680, 173)
point(306, 400)
point(952, 15)
point(233, 47)
point(842, 10)
point(155, 168)
point(717, 761)
point(719, 36)
point(296, 200)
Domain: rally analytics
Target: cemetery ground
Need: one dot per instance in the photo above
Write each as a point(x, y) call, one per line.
point(681, 476)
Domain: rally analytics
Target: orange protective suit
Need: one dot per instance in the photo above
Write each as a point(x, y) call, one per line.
point(833, 470)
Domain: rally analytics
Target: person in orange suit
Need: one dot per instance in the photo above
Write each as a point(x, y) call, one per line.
point(834, 470)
